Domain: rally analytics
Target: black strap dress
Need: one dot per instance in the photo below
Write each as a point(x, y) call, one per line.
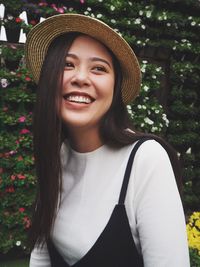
point(115, 246)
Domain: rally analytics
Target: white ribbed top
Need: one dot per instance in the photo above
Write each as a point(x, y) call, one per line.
point(91, 187)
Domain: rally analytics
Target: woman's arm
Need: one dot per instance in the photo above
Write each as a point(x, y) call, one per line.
point(159, 213)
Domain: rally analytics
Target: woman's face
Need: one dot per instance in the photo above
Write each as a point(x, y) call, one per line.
point(88, 84)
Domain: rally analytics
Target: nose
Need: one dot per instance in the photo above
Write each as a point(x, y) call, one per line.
point(80, 78)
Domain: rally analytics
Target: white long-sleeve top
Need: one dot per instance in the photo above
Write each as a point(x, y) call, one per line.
point(91, 186)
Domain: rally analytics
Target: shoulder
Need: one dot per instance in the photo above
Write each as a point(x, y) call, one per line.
point(151, 158)
point(151, 150)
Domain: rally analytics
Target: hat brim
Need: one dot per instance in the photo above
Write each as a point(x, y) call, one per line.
point(41, 36)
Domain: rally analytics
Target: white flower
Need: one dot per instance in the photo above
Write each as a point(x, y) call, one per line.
point(143, 27)
point(144, 107)
point(139, 42)
point(112, 8)
point(148, 121)
point(153, 76)
point(157, 111)
point(154, 129)
point(143, 68)
point(10, 17)
point(148, 14)
point(89, 9)
point(139, 106)
point(164, 117)
point(113, 20)
point(141, 12)
point(99, 16)
point(189, 151)
point(18, 243)
point(4, 82)
point(158, 69)
point(193, 23)
point(117, 30)
point(168, 24)
point(137, 21)
point(144, 61)
point(146, 88)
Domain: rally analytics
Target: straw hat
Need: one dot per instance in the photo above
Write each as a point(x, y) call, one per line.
point(40, 37)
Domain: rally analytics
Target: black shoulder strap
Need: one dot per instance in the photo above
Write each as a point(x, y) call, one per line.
point(128, 169)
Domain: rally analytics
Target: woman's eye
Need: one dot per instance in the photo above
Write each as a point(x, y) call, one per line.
point(69, 65)
point(100, 69)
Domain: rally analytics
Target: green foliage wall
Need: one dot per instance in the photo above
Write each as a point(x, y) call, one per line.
point(165, 36)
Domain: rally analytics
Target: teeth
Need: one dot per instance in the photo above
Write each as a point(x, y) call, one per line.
point(79, 99)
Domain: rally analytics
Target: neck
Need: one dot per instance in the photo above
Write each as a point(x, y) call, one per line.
point(85, 141)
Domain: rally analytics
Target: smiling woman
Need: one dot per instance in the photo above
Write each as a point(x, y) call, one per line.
point(88, 86)
point(110, 190)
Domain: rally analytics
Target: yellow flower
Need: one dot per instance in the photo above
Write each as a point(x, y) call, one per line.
point(193, 231)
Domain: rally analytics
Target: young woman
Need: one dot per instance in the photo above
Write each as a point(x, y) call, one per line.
point(107, 195)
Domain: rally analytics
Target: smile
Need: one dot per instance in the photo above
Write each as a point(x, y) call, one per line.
point(77, 98)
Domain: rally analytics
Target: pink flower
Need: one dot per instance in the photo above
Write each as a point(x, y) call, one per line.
point(33, 22)
point(42, 4)
point(20, 158)
point(12, 177)
point(82, 1)
point(60, 10)
point(21, 177)
point(21, 209)
point(10, 189)
point(54, 6)
point(5, 109)
point(12, 152)
point(18, 20)
point(22, 119)
point(27, 222)
point(28, 79)
point(24, 131)
point(13, 46)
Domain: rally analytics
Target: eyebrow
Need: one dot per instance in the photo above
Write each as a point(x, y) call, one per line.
point(92, 59)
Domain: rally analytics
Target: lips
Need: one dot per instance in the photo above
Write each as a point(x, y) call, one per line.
point(78, 97)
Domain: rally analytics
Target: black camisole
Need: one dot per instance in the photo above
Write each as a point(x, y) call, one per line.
point(115, 246)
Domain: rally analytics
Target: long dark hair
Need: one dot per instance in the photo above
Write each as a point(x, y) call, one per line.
point(49, 133)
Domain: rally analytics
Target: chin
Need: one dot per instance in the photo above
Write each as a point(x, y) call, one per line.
point(78, 124)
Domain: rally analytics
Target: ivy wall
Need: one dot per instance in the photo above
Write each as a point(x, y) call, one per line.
point(166, 38)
